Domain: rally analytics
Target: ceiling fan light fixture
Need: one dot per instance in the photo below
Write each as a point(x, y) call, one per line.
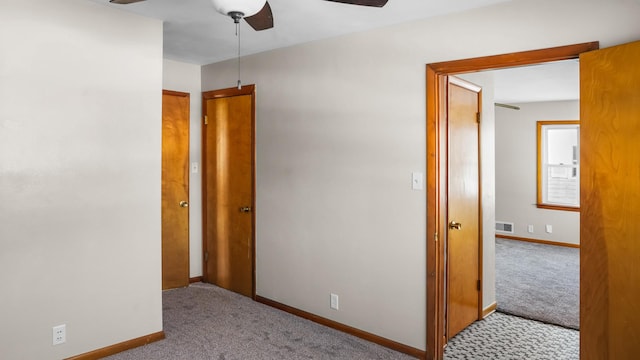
point(244, 7)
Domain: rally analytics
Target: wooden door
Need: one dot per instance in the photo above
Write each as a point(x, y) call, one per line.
point(610, 203)
point(228, 152)
point(463, 236)
point(175, 189)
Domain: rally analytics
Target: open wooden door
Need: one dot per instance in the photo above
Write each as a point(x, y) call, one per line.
point(175, 189)
point(463, 235)
point(228, 189)
point(610, 203)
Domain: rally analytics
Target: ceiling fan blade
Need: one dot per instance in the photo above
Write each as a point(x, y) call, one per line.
point(262, 20)
point(376, 3)
point(124, 2)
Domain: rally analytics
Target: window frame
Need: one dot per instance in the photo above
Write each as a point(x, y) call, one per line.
point(540, 203)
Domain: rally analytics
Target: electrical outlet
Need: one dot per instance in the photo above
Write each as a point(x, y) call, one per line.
point(530, 229)
point(549, 229)
point(59, 334)
point(334, 302)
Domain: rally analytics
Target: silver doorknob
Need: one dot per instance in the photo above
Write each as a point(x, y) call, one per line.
point(455, 225)
point(245, 209)
point(184, 204)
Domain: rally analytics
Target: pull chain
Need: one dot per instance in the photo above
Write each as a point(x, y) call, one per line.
point(238, 35)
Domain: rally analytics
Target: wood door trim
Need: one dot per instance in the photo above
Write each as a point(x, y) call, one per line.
point(464, 84)
point(489, 310)
point(228, 92)
point(538, 241)
point(120, 347)
point(175, 93)
point(436, 76)
point(217, 94)
point(513, 59)
point(480, 212)
point(436, 91)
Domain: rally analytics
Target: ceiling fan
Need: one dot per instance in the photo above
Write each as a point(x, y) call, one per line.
point(257, 13)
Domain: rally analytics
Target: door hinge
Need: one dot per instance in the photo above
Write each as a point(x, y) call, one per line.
point(478, 117)
point(206, 256)
point(479, 285)
point(435, 237)
point(206, 120)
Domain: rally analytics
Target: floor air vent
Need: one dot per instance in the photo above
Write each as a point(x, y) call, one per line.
point(504, 227)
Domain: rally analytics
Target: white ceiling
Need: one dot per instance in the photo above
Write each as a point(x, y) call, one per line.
point(545, 82)
point(195, 33)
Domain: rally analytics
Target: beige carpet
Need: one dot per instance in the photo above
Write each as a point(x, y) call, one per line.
point(539, 282)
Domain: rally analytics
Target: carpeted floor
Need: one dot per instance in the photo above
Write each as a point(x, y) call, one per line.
point(506, 337)
point(204, 322)
point(537, 281)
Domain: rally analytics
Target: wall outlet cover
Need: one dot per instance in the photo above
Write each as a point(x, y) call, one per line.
point(59, 334)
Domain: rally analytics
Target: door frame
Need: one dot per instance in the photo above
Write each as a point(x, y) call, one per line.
point(217, 94)
point(436, 154)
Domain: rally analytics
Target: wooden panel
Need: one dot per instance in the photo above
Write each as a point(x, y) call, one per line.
point(610, 195)
point(119, 347)
point(513, 59)
point(464, 206)
point(229, 182)
point(538, 241)
point(435, 198)
point(175, 189)
point(489, 310)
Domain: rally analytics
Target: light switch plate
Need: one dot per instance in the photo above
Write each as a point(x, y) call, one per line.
point(334, 302)
point(417, 181)
point(194, 167)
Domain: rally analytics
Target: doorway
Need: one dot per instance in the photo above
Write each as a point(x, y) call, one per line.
point(535, 277)
point(228, 164)
point(437, 158)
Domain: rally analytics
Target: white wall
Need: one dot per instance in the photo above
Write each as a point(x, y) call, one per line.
point(340, 128)
point(516, 172)
point(184, 77)
point(80, 148)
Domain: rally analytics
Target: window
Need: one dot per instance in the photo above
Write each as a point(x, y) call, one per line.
point(559, 165)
